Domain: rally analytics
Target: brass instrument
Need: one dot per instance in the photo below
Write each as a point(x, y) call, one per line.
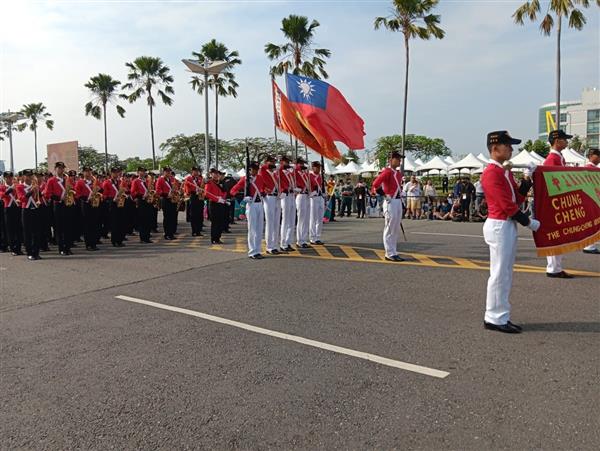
point(35, 191)
point(121, 195)
point(96, 197)
point(175, 194)
point(70, 193)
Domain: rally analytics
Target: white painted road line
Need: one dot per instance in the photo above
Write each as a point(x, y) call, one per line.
point(464, 236)
point(305, 341)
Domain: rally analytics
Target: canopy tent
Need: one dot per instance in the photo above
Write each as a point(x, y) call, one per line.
point(367, 167)
point(523, 159)
point(241, 173)
point(536, 156)
point(329, 168)
point(449, 160)
point(435, 164)
point(481, 157)
point(409, 165)
point(419, 162)
point(468, 162)
point(350, 168)
point(572, 157)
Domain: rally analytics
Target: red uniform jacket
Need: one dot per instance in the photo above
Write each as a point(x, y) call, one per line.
point(270, 179)
point(191, 184)
point(9, 199)
point(83, 189)
point(589, 164)
point(55, 188)
point(25, 196)
point(139, 189)
point(391, 182)
point(315, 183)
point(302, 180)
point(554, 158)
point(257, 182)
point(286, 180)
point(501, 192)
point(164, 186)
point(110, 189)
point(214, 192)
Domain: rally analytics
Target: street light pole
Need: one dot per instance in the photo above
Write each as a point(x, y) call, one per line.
point(10, 119)
point(206, 149)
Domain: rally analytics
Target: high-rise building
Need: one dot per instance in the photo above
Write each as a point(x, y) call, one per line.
point(577, 117)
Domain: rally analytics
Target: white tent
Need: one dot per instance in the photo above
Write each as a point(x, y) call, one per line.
point(241, 172)
point(572, 157)
point(523, 159)
point(329, 168)
point(449, 160)
point(409, 165)
point(481, 157)
point(367, 167)
point(536, 156)
point(468, 162)
point(419, 162)
point(435, 164)
point(350, 168)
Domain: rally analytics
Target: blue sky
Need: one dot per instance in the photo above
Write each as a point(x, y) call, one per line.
point(486, 74)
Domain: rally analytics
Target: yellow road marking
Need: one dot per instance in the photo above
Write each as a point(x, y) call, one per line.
point(323, 252)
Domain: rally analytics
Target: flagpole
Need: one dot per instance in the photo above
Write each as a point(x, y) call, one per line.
point(275, 119)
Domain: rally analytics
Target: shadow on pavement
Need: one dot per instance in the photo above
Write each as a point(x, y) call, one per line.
point(591, 327)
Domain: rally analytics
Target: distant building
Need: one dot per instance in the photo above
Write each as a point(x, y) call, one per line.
point(577, 117)
point(2, 166)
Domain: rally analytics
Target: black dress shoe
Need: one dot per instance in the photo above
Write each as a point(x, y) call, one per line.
point(37, 257)
point(559, 275)
point(304, 246)
point(168, 238)
point(217, 242)
point(516, 326)
point(507, 328)
point(63, 253)
point(147, 241)
point(256, 257)
point(273, 252)
point(289, 249)
point(69, 252)
point(30, 258)
point(591, 251)
point(282, 250)
point(394, 258)
point(318, 242)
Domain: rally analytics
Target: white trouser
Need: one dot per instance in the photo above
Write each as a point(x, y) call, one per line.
point(256, 218)
point(554, 264)
point(288, 219)
point(302, 209)
point(501, 237)
point(392, 212)
point(317, 210)
point(272, 215)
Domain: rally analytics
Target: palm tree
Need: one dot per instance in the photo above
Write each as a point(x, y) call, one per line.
point(297, 53)
point(224, 83)
point(104, 90)
point(413, 19)
point(147, 73)
point(560, 9)
point(34, 113)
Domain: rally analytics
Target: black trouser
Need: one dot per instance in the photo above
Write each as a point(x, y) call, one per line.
point(346, 205)
point(45, 223)
point(144, 213)
point(90, 216)
point(117, 222)
point(3, 233)
point(62, 227)
point(465, 205)
point(332, 208)
point(104, 219)
point(32, 230)
point(169, 216)
point(231, 210)
point(130, 216)
point(218, 219)
point(361, 207)
point(12, 218)
point(75, 219)
point(196, 210)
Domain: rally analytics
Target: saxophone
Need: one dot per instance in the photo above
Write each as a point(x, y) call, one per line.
point(70, 193)
point(35, 191)
point(175, 192)
point(96, 197)
point(121, 195)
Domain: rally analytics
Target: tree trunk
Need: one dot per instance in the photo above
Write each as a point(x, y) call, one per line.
point(558, 72)
point(405, 99)
point(105, 140)
point(152, 135)
point(216, 126)
point(35, 146)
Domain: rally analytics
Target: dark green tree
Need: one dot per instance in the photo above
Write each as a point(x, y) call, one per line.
point(538, 146)
point(104, 90)
point(578, 144)
point(34, 114)
point(88, 156)
point(417, 146)
point(235, 158)
point(132, 164)
point(146, 75)
point(181, 152)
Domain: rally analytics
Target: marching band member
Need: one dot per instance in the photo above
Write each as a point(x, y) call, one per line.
point(558, 142)
point(56, 193)
point(217, 206)
point(165, 190)
point(254, 208)
point(111, 192)
point(85, 189)
point(389, 183)
point(503, 196)
point(317, 203)
point(3, 238)
point(45, 213)
point(74, 210)
point(593, 162)
point(271, 204)
point(29, 196)
point(12, 214)
point(286, 178)
point(139, 193)
point(302, 183)
point(193, 189)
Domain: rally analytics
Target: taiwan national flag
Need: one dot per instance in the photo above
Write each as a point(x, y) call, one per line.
point(326, 110)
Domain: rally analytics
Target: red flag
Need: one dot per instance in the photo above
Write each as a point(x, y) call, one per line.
point(290, 121)
point(326, 110)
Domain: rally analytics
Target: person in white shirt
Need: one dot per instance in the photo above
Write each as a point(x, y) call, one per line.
point(593, 162)
point(478, 194)
point(413, 198)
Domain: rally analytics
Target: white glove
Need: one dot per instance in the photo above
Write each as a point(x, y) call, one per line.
point(534, 224)
point(247, 199)
point(221, 200)
point(530, 169)
point(297, 190)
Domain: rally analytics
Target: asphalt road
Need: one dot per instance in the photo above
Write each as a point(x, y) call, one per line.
point(81, 368)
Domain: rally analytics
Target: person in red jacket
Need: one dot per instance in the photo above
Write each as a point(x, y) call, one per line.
point(302, 189)
point(254, 194)
point(316, 203)
point(165, 189)
point(29, 196)
point(271, 204)
point(286, 178)
point(110, 192)
point(12, 213)
point(500, 229)
point(194, 191)
point(389, 183)
point(217, 205)
point(84, 192)
point(55, 192)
